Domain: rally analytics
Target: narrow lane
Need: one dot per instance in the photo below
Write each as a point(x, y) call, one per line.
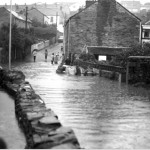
point(103, 113)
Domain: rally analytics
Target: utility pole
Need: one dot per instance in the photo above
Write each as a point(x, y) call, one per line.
point(56, 26)
point(64, 35)
point(26, 23)
point(10, 34)
point(26, 27)
point(68, 36)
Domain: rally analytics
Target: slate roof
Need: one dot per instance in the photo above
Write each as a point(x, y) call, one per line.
point(104, 50)
point(130, 13)
point(50, 11)
point(16, 15)
point(39, 11)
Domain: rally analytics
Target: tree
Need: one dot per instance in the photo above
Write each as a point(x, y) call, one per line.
point(136, 50)
point(19, 49)
point(45, 33)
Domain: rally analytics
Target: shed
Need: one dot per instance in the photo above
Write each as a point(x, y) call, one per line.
point(105, 51)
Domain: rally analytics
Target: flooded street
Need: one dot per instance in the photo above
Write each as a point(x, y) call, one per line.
point(103, 113)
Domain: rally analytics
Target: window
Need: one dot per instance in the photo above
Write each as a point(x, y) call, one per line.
point(147, 34)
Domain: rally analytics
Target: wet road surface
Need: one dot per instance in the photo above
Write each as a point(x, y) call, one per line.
point(103, 113)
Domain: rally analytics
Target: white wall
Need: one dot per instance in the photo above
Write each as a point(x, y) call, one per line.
point(101, 58)
point(52, 20)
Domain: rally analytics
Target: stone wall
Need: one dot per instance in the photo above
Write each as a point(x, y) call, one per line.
point(41, 126)
point(104, 23)
point(124, 31)
point(107, 71)
point(81, 30)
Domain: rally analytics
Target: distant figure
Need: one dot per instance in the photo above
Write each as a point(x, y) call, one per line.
point(46, 54)
point(2, 144)
point(34, 55)
point(62, 59)
point(56, 59)
point(62, 49)
point(52, 58)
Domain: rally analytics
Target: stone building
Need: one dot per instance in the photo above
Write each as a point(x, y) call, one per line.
point(16, 18)
point(146, 32)
point(35, 14)
point(101, 23)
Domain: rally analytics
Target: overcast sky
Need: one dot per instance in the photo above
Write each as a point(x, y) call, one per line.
point(2, 2)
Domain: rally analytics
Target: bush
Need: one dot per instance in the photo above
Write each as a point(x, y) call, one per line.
point(87, 57)
point(137, 50)
point(20, 42)
point(45, 33)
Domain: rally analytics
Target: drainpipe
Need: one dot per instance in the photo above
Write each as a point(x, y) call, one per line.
point(141, 30)
point(68, 36)
point(64, 36)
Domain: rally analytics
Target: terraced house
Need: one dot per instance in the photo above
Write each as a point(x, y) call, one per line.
point(101, 23)
point(17, 19)
point(35, 14)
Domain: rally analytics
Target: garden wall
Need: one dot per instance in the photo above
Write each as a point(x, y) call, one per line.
point(108, 71)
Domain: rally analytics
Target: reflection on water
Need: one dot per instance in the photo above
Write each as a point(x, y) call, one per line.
point(103, 113)
point(9, 129)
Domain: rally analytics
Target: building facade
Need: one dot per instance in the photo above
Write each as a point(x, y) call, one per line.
point(55, 16)
point(102, 23)
point(16, 18)
point(35, 14)
point(146, 33)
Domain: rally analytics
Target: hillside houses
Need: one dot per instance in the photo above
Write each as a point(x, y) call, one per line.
point(135, 6)
point(55, 17)
point(44, 13)
point(17, 19)
point(132, 6)
point(102, 23)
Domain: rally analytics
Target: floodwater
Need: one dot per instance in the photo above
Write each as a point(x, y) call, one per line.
point(9, 129)
point(104, 114)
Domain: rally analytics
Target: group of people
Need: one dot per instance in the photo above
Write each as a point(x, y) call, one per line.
point(54, 57)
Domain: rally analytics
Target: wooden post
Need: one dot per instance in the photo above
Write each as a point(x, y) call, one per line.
point(127, 72)
point(10, 34)
point(26, 22)
point(120, 78)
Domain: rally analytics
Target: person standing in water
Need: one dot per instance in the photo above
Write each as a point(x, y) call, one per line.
point(46, 54)
point(52, 58)
point(34, 55)
point(56, 59)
